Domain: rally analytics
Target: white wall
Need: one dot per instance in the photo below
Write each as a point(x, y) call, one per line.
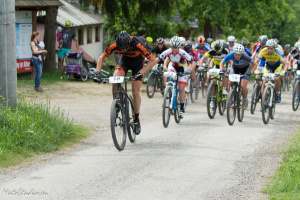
point(94, 48)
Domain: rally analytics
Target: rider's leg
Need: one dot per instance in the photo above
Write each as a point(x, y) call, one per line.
point(136, 93)
point(182, 94)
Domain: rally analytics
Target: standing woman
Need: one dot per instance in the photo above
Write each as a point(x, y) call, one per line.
point(37, 60)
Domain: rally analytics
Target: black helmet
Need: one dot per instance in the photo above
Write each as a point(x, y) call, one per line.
point(123, 40)
point(245, 42)
point(188, 47)
point(160, 40)
point(218, 45)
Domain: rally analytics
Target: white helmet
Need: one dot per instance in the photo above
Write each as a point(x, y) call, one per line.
point(270, 43)
point(297, 45)
point(175, 42)
point(231, 38)
point(183, 41)
point(238, 49)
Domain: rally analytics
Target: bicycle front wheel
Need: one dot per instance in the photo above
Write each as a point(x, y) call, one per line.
point(151, 85)
point(166, 112)
point(265, 105)
point(254, 98)
point(211, 103)
point(118, 124)
point(241, 107)
point(231, 107)
point(296, 96)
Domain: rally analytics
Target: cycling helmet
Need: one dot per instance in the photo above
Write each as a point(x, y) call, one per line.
point(238, 49)
point(217, 45)
point(263, 39)
point(297, 45)
point(244, 42)
point(59, 29)
point(287, 47)
point(188, 46)
point(201, 39)
point(182, 40)
point(123, 40)
point(209, 40)
point(160, 40)
point(231, 38)
point(270, 43)
point(175, 42)
point(68, 24)
point(149, 40)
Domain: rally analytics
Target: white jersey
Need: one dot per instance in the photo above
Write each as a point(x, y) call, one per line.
point(176, 58)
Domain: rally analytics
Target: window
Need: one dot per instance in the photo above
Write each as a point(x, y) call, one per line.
point(89, 35)
point(97, 34)
point(80, 36)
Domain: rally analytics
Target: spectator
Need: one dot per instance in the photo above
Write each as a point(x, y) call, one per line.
point(66, 44)
point(37, 60)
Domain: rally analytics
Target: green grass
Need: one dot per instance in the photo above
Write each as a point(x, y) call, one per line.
point(47, 78)
point(32, 129)
point(285, 185)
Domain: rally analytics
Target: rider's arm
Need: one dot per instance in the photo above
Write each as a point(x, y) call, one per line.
point(104, 55)
point(166, 63)
point(147, 54)
point(227, 58)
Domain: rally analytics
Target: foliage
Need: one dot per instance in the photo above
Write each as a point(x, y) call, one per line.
point(286, 183)
point(247, 18)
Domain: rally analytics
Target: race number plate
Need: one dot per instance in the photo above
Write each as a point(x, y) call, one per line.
point(234, 77)
point(214, 72)
point(116, 79)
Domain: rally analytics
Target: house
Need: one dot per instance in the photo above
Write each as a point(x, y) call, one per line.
point(26, 23)
point(88, 27)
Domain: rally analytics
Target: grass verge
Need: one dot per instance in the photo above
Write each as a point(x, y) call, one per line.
point(285, 185)
point(32, 129)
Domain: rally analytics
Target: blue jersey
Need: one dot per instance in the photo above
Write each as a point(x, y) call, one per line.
point(244, 61)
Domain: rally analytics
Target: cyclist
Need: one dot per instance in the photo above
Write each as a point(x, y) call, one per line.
point(217, 53)
point(175, 55)
point(159, 47)
point(202, 47)
point(194, 54)
point(246, 45)
point(132, 53)
point(295, 56)
point(272, 62)
point(241, 64)
point(260, 44)
point(231, 42)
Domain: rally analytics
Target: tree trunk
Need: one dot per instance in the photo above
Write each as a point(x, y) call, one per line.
point(208, 32)
point(50, 38)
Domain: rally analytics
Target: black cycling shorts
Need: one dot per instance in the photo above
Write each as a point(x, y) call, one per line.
point(133, 64)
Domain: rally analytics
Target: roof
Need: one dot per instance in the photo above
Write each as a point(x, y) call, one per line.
point(78, 17)
point(37, 3)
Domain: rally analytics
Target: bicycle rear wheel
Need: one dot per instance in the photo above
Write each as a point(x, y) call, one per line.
point(231, 107)
point(151, 85)
point(211, 103)
point(166, 112)
point(265, 108)
point(296, 96)
point(118, 124)
point(130, 120)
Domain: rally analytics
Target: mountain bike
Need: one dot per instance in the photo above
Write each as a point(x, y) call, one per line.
point(256, 92)
point(215, 95)
point(155, 81)
point(170, 101)
point(235, 102)
point(268, 101)
point(122, 113)
point(200, 82)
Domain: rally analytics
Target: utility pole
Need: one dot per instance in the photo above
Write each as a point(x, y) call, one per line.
point(8, 71)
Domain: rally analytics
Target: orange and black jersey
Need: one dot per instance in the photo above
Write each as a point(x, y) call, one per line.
point(136, 49)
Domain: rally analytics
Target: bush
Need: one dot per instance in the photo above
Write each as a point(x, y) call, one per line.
point(31, 128)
